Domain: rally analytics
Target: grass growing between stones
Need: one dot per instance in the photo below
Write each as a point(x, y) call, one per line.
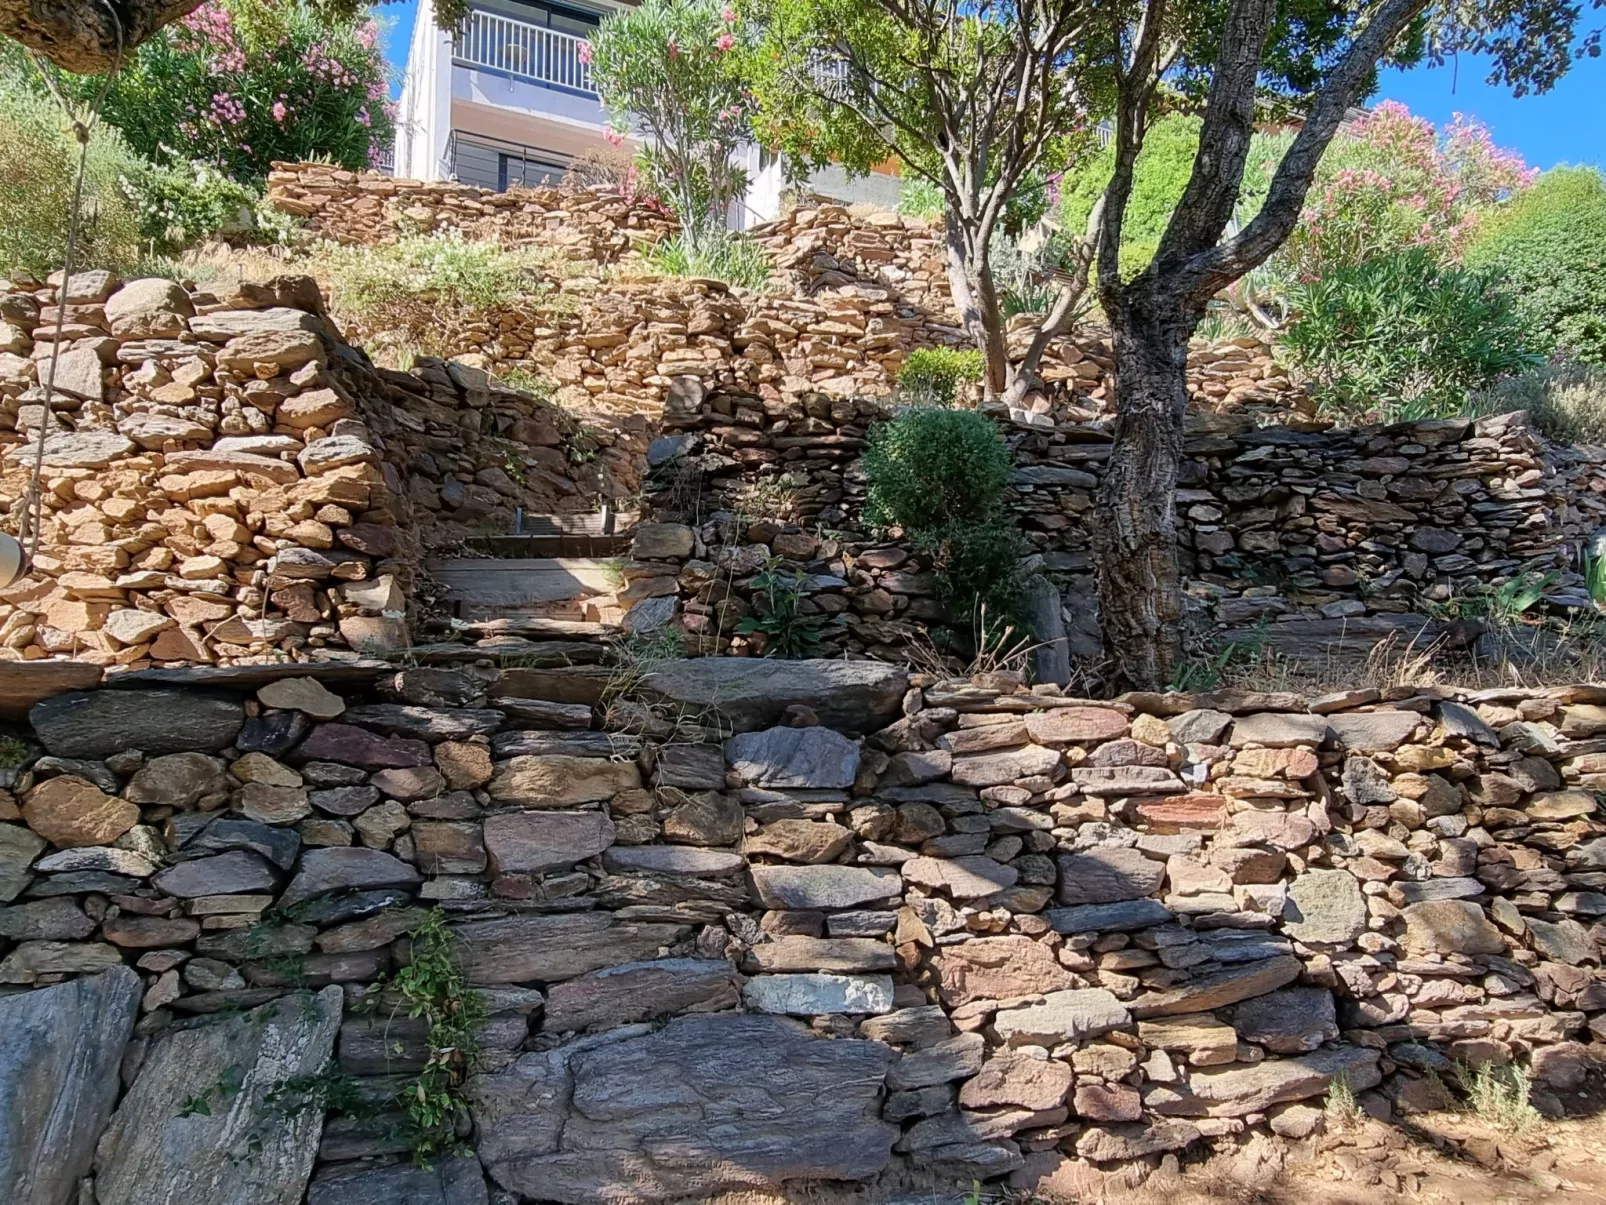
point(1342, 1107)
point(1499, 1096)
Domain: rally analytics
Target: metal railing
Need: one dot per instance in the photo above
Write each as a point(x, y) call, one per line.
point(499, 164)
point(544, 56)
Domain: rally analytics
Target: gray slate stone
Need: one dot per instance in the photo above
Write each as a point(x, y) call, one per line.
point(1252, 1088)
point(641, 991)
point(1373, 731)
point(446, 1182)
point(1108, 875)
point(672, 859)
point(1293, 1020)
point(545, 949)
point(233, 873)
point(661, 1116)
point(1202, 727)
point(1108, 918)
point(277, 845)
point(531, 842)
point(60, 1049)
point(1065, 1016)
point(99, 723)
point(1278, 730)
point(326, 870)
point(161, 1150)
point(805, 887)
point(1325, 906)
point(815, 758)
point(424, 723)
point(752, 692)
point(19, 846)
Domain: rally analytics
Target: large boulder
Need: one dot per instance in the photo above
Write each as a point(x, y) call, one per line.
point(752, 692)
point(95, 724)
point(672, 1114)
point(60, 1048)
point(197, 1122)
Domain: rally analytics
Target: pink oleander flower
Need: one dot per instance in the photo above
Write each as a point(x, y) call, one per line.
point(613, 137)
point(674, 50)
point(724, 42)
point(279, 111)
point(584, 52)
point(728, 15)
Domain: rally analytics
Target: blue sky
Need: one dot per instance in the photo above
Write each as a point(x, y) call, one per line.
point(1566, 125)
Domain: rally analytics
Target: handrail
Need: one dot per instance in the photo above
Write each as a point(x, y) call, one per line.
point(546, 56)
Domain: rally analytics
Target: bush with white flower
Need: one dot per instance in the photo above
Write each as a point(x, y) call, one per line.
point(671, 76)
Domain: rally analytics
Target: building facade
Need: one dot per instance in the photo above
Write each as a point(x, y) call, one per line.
point(509, 101)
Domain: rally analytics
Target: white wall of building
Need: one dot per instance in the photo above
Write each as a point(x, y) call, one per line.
point(424, 112)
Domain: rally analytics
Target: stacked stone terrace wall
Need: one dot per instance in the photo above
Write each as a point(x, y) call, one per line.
point(1315, 537)
point(915, 927)
point(225, 479)
point(855, 294)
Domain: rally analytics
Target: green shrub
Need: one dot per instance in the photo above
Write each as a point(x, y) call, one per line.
point(187, 202)
point(733, 258)
point(932, 376)
point(1566, 401)
point(1549, 243)
point(1159, 178)
point(929, 467)
point(1403, 331)
point(976, 563)
point(38, 163)
point(920, 198)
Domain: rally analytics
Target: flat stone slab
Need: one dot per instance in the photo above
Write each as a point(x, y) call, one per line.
point(657, 1117)
point(965, 878)
point(1066, 1016)
point(672, 859)
point(641, 991)
point(544, 949)
point(814, 994)
point(531, 842)
point(60, 1050)
point(1219, 989)
point(1240, 1089)
point(99, 723)
point(445, 1182)
point(754, 692)
point(1109, 918)
point(823, 886)
point(1108, 875)
point(815, 758)
point(197, 1123)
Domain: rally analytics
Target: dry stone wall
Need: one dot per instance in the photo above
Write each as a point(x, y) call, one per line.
point(959, 929)
point(857, 293)
point(225, 479)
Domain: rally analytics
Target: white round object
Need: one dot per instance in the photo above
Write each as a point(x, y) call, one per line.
point(13, 564)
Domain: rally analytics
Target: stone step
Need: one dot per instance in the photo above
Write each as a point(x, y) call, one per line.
point(524, 583)
point(536, 627)
point(593, 535)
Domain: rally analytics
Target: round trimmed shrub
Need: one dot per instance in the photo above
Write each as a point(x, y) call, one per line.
point(928, 467)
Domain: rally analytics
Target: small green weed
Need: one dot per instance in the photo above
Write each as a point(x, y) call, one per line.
point(13, 752)
point(1342, 1106)
point(789, 633)
point(1499, 1096)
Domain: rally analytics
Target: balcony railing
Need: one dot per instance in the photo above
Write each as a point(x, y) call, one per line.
point(529, 52)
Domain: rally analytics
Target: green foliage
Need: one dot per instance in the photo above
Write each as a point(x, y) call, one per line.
point(371, 283)
point(933, 376)
point(38, 164)
point(940, 475)
point(1403, 330)
point(13, 752)
point(976, 562)
point(1566, 401)
point(433, 986)
point(788, 631)
point(185, 202)
point(920, 198)
point(929, 467)
point(1159, 178)
point(733, 258)
point(673, 71)
point(1549, 244)
point(1499, 1096)
point(241, 83)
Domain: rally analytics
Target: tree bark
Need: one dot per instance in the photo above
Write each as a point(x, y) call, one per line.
point(1135, 540)
point(83, 36)
point(970, 280)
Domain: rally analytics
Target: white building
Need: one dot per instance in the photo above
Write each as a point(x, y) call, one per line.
point(508, 101)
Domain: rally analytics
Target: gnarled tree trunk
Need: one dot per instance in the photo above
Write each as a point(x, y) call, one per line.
point(1135, 541)
point(970, 280)
point(83, 36)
